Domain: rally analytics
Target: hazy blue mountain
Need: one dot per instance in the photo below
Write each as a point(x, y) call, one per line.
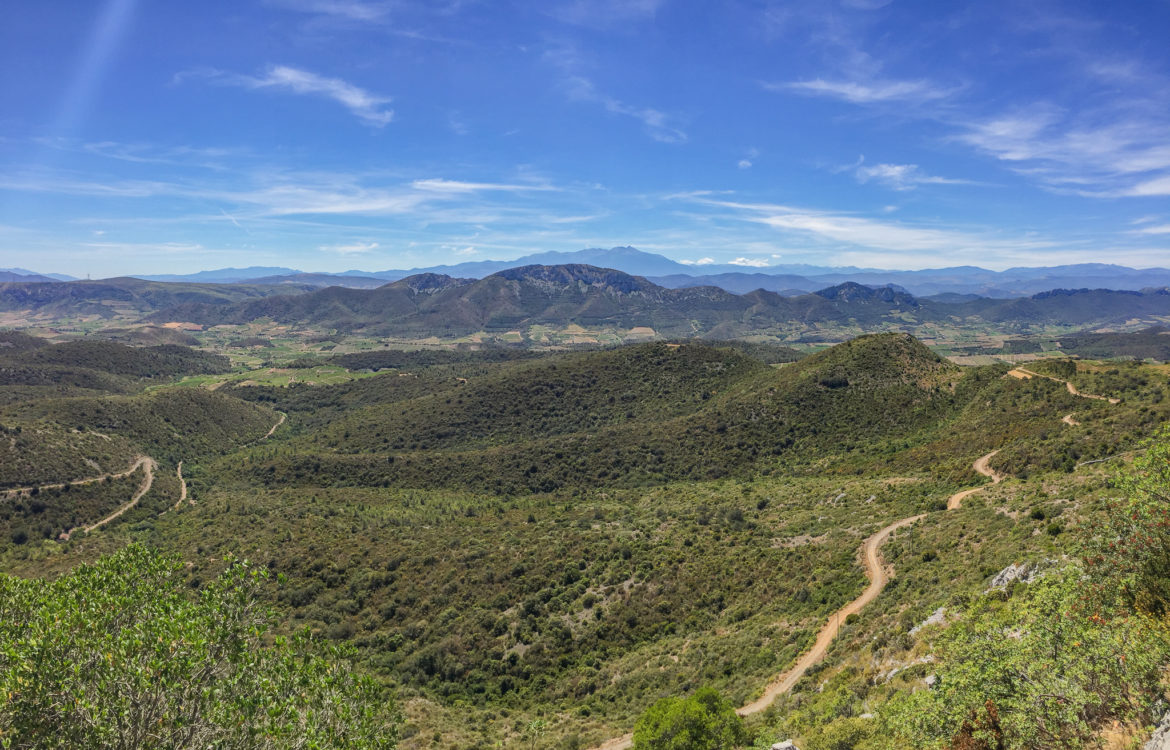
point(787, 279)
point(741, 283)
point(23, 274)
point(352, 281)
point(224, 275)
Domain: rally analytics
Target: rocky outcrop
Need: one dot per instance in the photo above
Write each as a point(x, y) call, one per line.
point(1023, 572)
point(1160, 740)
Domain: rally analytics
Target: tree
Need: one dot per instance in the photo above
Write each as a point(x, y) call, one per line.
point(703, 721)
point(123, 654)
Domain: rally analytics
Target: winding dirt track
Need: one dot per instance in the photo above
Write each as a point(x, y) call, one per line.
point(1020, 372)
point(279, 422)
point(7, 494)
point(149, 466)
point(981, 465)
point(182, 485)
point(878, 575)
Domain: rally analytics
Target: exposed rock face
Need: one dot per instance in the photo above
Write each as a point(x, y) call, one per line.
point(1024, 573)
point(938, 617)
point(785, 745)
point(1161, 737)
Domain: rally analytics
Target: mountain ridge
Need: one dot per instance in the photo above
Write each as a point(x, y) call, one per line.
point(790, 279)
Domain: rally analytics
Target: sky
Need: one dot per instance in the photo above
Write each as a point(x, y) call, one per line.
point(326, 135)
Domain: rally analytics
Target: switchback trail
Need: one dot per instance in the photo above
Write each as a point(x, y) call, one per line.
point(148, 466)
point(981, 465)
point(878, 575)
point(7, 494)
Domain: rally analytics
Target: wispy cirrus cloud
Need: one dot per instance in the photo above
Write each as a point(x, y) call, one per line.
point(459, 186)
point(865, 92)
point(904, 244)
point(350, 248)
point(285, 193)
point(368, 107)
point(569, 61)
point(1102, 156)
point(657, 124)
point(1159, 229)
point(900, 177)
point(351, 9)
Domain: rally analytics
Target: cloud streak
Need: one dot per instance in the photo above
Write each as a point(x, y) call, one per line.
point(898, 241)
point(368, 107)
point(870, 92)
point(901, 177)
point(657, 124)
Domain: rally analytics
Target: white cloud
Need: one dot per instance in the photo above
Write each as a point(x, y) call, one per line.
point(146, 248)
point(1097, 159)
point(750, 262)
point(901, 176)
point(1160, 229)
point(1156, 186)
point(905, 245)
point(368, 107)
point(349, 9)
point(699, 262)
point(353, 248)
point(864, 93)
point(744, 164)
point(657, 123)
point(458, 186)
point(466, 252)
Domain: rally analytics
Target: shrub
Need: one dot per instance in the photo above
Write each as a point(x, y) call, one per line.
point(122, 653)
point(703, 721)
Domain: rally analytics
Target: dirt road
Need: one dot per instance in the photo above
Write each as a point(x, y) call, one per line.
point(147, 481)
point(279, 422)
point(878, 575)
point(981, 465)
point(182, 485)
point(1024, 374)
point(6, 494)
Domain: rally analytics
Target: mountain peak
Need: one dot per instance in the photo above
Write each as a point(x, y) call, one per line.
point(578, 273)
point(851, 291)
point(428, 283)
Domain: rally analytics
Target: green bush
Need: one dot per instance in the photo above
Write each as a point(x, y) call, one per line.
point(703, 721)
point(122, 653)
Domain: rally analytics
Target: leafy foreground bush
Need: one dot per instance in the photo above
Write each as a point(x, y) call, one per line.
point(122, 654)
point(703, 721)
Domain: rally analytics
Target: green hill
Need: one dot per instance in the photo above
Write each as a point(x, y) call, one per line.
point(511, 538)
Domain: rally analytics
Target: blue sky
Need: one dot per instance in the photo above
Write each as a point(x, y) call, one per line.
point(154, 137)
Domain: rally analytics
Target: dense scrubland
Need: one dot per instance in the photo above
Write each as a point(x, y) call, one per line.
point(533, 550)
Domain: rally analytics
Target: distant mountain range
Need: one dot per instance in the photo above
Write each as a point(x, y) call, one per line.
point(428, 304)
point(570, 297)
point(786, 279)
point(23, 274)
